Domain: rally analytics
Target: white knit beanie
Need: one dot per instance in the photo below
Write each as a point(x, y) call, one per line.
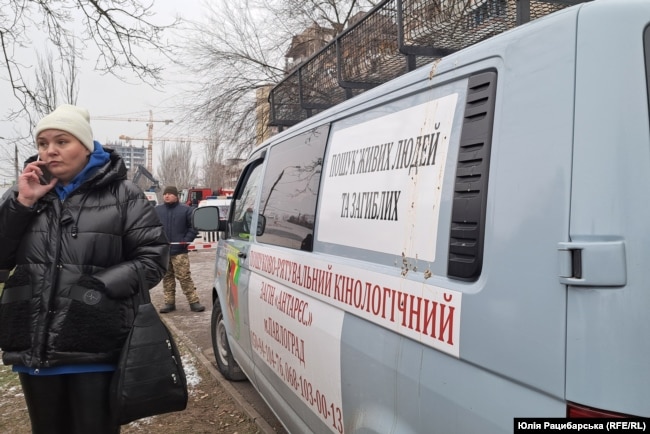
point(71, 119)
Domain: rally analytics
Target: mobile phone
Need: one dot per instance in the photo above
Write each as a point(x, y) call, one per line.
point(46, 177)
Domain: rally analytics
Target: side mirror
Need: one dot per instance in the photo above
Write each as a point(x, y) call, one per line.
point(261, 224)
point(208, 218)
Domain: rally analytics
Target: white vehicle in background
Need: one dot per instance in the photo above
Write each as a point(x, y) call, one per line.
point(223, 204)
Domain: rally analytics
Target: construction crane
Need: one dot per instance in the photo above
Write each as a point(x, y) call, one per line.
point(149, 138)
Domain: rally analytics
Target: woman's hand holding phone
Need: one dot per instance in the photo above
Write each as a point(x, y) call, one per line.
point(35, 181)
point(46, 177)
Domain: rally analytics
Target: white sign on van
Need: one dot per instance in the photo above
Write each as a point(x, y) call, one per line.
point(299, 339)
point(383, 181)
point(425, 313)
point(297, 305)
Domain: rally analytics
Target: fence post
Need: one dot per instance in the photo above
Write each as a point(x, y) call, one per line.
point(523, 12)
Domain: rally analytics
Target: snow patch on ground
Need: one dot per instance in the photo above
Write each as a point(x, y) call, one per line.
point(191, 373)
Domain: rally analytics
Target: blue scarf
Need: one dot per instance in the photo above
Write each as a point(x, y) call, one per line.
point(97, 159)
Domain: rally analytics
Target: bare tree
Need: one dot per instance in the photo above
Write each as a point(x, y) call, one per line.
point(335, 14)
point(52, 85)
point(70, 79)
point(9, 153)
point(55, 85)
point(120, 30)
point(241, 48)
point(46, 93)
point(214, 170)
point(175, 165)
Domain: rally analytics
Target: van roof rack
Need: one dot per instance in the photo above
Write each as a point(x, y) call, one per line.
point(393, 38)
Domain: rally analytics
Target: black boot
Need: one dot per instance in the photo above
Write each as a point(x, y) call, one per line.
point(197, 307)
point(168, 308)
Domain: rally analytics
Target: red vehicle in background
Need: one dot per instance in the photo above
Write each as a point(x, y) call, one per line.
point(192, 196)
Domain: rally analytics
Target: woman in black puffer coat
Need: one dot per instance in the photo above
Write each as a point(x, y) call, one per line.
point(75, 244)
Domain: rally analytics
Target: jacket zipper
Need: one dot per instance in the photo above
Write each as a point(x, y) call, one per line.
point(51, 308)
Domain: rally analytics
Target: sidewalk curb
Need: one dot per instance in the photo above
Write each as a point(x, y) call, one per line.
point(263, 425)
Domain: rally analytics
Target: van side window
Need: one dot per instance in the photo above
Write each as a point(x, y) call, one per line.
point(244, 204)
point(290, 190)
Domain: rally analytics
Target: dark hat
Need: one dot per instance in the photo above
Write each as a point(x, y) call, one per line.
point(171, 190)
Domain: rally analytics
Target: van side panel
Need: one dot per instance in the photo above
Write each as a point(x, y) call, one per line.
point(367, 331)
point(512, 334)
point(608, 345)
point(514, 321)
point(498, 363)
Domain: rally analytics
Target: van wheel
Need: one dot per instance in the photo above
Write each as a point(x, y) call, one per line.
point(222, 354)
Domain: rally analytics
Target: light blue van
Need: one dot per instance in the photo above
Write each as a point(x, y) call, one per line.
point(464, 245)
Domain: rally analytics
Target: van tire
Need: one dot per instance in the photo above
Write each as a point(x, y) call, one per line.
point(222, 354)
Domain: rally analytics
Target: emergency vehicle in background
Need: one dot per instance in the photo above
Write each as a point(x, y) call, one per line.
point(193, 195)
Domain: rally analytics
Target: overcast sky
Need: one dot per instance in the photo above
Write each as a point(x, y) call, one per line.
point(107, 96)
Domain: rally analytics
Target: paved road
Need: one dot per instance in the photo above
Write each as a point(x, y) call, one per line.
point(194, 329)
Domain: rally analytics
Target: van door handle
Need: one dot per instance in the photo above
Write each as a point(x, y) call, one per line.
point(241, 255)
point(594, 263)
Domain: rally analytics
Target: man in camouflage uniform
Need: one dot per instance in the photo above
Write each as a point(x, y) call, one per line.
point(177, 221)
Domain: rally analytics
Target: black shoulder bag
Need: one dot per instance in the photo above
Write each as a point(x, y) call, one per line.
point(149, 379)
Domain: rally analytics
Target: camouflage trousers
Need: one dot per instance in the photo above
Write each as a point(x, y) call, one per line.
point(179, 268)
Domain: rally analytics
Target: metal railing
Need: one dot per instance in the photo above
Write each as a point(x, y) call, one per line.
point(393, 38)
